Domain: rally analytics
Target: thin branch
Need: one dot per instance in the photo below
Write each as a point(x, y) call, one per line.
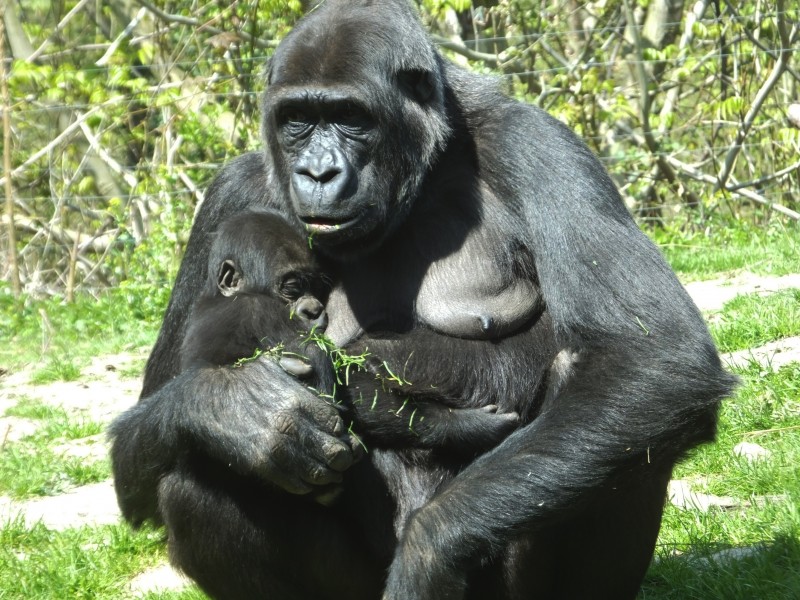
point(125, 33)
point(693, 173)
point(749, 118)
point(13, 266)
point(170, 18)
point(67, 18)
point(68, 131)
point(94, 143)
point(766, 179)
point(649, 140)
point(686, 39)
point(67, 237)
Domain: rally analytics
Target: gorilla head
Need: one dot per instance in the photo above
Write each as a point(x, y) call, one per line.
point(352, 124)
point(258, 252)
point(263, 289)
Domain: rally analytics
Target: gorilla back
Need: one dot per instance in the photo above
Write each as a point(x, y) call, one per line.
point(433, 203)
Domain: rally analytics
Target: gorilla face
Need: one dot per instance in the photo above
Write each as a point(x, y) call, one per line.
point(258, 252)
point(352, 125)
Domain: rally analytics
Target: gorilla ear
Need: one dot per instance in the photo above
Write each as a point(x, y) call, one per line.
point(417, 83)
point(229, 280)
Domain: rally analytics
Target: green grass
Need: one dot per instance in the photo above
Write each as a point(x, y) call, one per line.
point(56, 369)
point(766, 411)
point(82, 563)
point(62, 336)
point(29, 467)
point(771, 250)
point(753, 320)
point(28, 470)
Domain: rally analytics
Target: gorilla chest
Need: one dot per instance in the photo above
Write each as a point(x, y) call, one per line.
point(478, 290)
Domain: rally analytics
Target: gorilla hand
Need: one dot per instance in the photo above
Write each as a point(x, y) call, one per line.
point(255, 419)
point(261, 422)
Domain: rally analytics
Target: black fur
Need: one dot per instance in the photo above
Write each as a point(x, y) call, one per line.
point(453, 219)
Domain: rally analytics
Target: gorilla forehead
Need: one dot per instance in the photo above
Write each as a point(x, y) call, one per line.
point(344, 41)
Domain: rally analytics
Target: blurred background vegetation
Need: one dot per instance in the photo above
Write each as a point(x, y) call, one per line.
point(118, 113)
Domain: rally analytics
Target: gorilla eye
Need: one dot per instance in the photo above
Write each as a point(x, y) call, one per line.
point(296, 119)
point(295, 116)
point(292, 287)
point(353, 119)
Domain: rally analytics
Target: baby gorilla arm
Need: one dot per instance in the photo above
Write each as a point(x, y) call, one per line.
point(401, 400)
point(390, 407)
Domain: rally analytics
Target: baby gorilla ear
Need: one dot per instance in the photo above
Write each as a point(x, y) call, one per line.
point(229, 279)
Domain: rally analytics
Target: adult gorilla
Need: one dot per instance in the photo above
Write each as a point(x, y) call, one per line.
point(433, 202)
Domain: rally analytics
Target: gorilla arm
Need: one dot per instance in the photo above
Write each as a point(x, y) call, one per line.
point(254, 418)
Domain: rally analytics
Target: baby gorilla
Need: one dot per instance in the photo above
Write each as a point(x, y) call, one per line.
point(265, 291)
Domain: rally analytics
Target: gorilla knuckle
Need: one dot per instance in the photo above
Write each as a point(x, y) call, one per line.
point(286, 423)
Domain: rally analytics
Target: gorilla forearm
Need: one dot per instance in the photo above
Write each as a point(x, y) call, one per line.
point(254, 419)
point(508, 372)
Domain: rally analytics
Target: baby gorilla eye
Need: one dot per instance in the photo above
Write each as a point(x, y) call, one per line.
point(292, 287)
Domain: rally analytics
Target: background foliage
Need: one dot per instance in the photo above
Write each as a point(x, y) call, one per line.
point(120, 112)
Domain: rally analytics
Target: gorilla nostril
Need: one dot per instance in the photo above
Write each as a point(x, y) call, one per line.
point(320, 175)
point(328, 175)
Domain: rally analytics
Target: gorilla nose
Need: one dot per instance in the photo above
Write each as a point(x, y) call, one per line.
point(322, 174)
point(321, 179)
point(321, 165)
point(312, 312)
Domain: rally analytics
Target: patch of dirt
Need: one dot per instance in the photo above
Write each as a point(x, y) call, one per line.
point(771, 356)
point(13, 429)
point(158, 579)
point(94, 504)
point(712, 294)
point(99, 395)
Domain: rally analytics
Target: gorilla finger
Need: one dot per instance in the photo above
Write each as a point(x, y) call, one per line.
point(356, 445)
point(325, 416)
point(330, 451)
point(294, 365)
point(290, 483)
point(321, 475)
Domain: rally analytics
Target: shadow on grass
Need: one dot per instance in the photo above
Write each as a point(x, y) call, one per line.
point(769, 571)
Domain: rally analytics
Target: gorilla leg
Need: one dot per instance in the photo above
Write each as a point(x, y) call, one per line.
point(240, 541)
point(602, 554)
